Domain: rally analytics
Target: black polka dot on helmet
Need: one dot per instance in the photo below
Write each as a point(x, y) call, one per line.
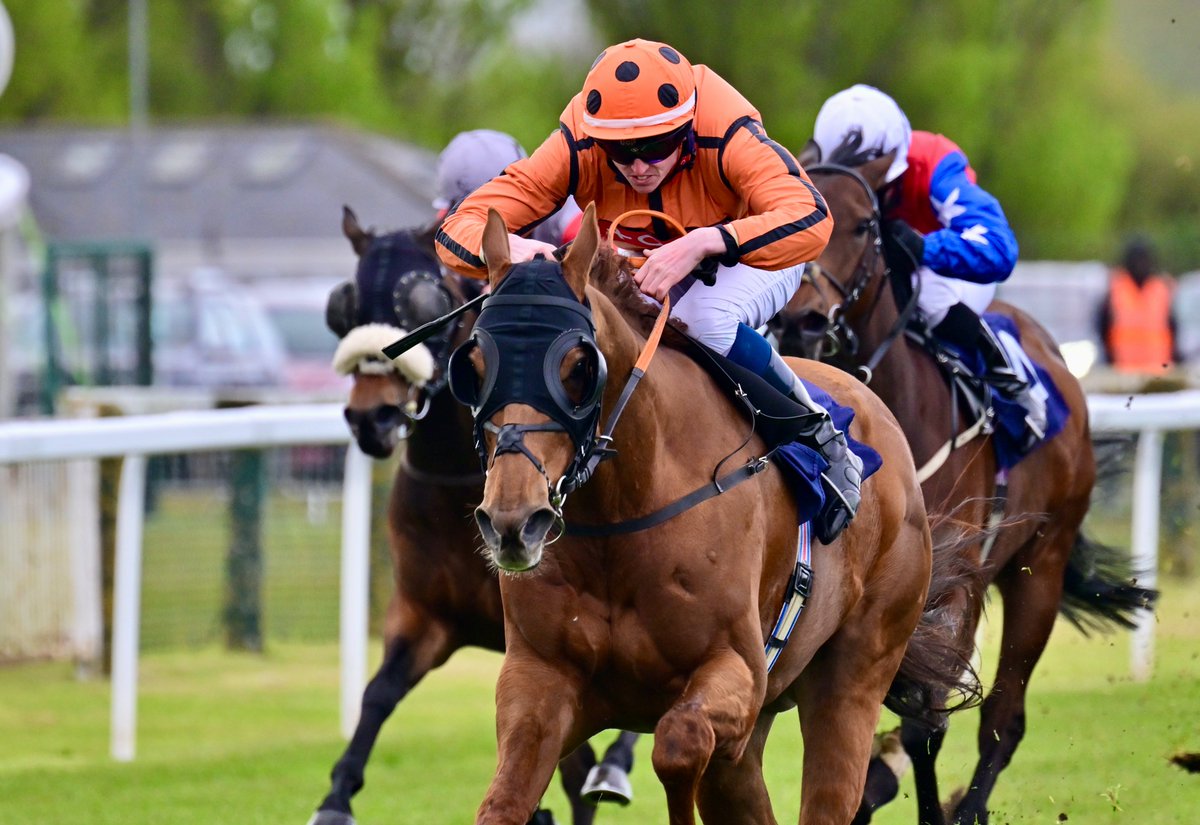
point(638, 89)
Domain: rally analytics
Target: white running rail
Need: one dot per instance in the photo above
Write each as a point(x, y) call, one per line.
point(1149, 415)
point(136, 436)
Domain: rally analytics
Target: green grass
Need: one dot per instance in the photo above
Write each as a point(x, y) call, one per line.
point(250, 739)
point(186, 541)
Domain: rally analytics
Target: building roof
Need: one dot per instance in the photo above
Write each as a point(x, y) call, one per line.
point(220, 191)
point(215, 182)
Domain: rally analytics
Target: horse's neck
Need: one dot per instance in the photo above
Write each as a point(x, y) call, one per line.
point(638, 436)
point(443, 441)
point(907, 380)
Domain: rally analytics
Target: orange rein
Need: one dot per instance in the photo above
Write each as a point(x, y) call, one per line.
point(638, 260)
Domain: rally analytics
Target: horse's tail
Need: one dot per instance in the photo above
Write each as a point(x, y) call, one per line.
point(936, 675)
point(1100, 590)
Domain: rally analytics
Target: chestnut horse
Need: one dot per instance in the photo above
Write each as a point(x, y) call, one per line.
point(446, 596)
point(1035, 551)
point(650, 614)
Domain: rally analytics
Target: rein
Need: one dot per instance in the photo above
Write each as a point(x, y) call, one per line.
point(838, 329)
point(601, 449)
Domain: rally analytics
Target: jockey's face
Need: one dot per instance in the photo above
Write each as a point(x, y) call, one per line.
point(645, 177)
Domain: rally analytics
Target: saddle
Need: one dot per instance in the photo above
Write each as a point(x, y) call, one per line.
point(975, 399)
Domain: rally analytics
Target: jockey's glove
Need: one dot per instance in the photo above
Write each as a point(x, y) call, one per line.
point(903, 247)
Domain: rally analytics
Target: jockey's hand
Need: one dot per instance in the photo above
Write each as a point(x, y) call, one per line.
point(521, 249)
point(672, 262)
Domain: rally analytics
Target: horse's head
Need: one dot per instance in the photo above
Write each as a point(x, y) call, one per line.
point(397, 287)
point(533, 376)
point(842, 286)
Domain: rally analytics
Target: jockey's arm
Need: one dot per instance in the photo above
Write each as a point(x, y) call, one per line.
point(977, 244)
point(786, 221)
point(527, 193)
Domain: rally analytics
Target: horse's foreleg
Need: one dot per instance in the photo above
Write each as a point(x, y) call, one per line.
point(536, 718)
point(923, 743)
point(734, 792)
point(420, 645)
point(574, 771)
point(714, 717)
point(1031, 594)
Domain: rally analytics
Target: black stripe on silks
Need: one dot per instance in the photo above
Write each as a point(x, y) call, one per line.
point(755, 128)
point(455, 248)
point(661, 230)
point(573, 147)
point(819, 213)
point(724, 141)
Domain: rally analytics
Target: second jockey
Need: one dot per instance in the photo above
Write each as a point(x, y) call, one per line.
point(937, 216)
point(651, 131)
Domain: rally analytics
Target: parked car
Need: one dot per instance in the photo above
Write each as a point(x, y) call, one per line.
point(207, 332)
point(211, 332)
point(1187, 316)
point(296, 308)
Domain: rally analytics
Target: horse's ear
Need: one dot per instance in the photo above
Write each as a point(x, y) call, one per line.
point(359, 238)
point(495, 248)
point(810, 154)
point(874, 171)
point(577, 265)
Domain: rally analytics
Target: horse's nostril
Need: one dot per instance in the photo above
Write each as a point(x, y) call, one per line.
point(387, 417)
point(486, 529)
point(538, 525)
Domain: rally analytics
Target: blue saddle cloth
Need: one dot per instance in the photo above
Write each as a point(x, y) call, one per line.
point(802, 466)
point(1009, 436)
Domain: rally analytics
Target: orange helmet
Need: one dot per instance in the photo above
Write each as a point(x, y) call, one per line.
point(638, 89)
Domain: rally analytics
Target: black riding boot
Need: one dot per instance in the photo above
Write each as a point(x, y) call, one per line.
point(843, 479)
point(964, 328)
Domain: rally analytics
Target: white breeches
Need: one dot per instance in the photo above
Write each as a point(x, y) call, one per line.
point(742, 294)
point(939, 293)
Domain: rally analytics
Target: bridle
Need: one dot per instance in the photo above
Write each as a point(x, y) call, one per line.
point(837, 333)
point(593, 444)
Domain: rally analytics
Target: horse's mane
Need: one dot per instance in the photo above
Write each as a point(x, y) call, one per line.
point(612, 275)
point(850, 152)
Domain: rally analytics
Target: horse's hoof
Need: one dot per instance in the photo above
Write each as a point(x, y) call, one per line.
point(331, 818)
point(607, 784)
point(542, 817)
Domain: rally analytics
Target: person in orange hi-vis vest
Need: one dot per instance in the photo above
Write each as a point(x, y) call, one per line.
point(1137, 325)
point(649, 130)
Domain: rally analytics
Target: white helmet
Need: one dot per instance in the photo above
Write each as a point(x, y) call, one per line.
point(875, 115)
point(470, 160)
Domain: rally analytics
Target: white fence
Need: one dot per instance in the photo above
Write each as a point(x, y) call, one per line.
point(135, 437)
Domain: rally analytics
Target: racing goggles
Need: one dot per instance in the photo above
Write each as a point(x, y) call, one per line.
point(650, 150)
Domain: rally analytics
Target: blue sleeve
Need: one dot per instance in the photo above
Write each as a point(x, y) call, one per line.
point(977, 244)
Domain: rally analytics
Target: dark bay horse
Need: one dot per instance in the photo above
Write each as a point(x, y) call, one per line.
point(1040, 562)
point(446, 596)
point(662, 629)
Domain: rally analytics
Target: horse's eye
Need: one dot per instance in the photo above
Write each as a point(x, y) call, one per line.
point(577, 377)
point(864, 227)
